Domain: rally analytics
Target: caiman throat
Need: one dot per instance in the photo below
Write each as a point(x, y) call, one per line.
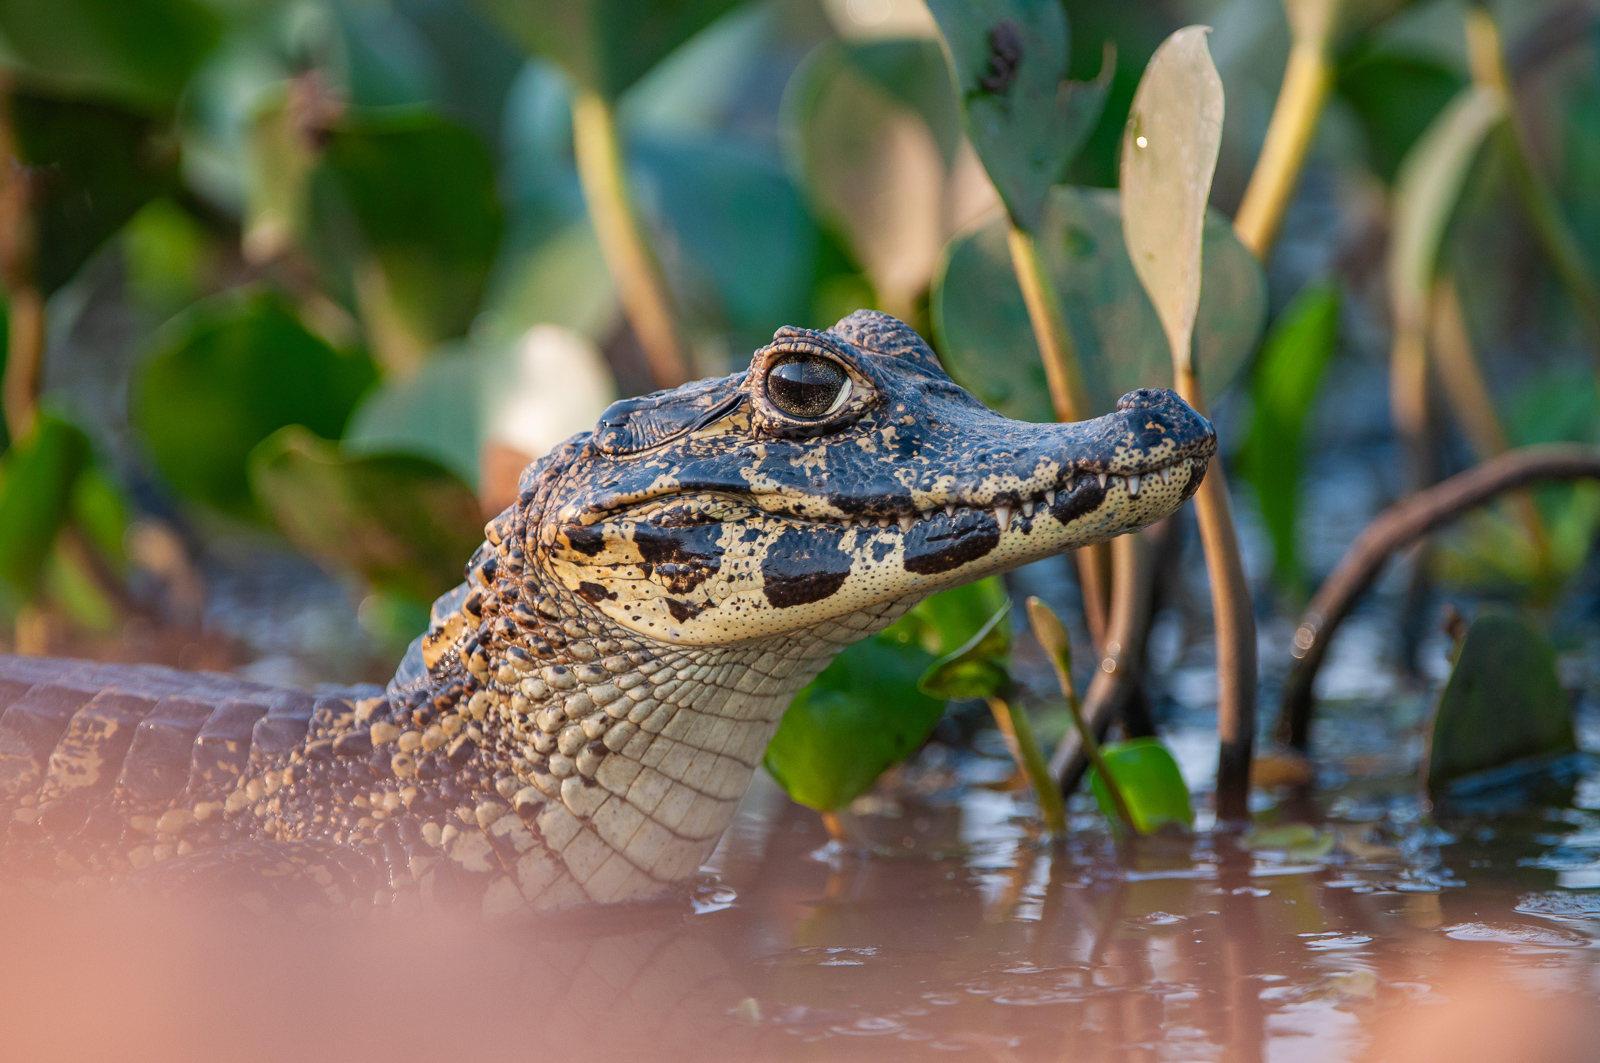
point(588, 707)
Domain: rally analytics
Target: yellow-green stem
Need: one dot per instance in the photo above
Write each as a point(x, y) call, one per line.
point(641, 287)
point(1235, 630)
point(1068, 396)
point(1307, 80)
point(1013, 722)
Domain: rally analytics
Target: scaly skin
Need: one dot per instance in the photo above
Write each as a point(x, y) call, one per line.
point(587, 709)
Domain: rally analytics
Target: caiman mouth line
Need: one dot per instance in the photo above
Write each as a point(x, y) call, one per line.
point(1002, 509)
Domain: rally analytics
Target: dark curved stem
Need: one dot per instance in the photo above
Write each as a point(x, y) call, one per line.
point(1394, 528)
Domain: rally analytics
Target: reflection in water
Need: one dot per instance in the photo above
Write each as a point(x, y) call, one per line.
point(1357, 942)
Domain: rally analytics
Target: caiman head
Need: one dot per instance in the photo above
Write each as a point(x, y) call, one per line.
point(843, 471)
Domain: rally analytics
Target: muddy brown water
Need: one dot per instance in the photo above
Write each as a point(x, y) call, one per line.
point(1374, 930)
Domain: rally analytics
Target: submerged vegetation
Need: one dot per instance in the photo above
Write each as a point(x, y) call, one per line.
point(333, 272)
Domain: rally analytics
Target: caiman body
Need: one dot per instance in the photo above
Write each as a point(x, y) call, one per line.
point(588, 707)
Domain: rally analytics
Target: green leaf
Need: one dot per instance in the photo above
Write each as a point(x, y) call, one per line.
point(91, 166)
point(36, 491)
point(860, 716)
point(1287, 374)
point(139, 53)
point(414, 195)
point(403, 522)
point(1169, 154)
point(225, 375)
point(1502, 703)
point(605, 45)
point(976, 669)
point(1396, 97)
point(949, 619)
point(1150, 782)
point(987, 344)
point(1025, 119)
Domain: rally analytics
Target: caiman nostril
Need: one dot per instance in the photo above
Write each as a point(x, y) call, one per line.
point(1144, 397)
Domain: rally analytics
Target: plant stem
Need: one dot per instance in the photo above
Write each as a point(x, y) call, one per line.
point(1013, 722)
point(1236, 629)
point(1307, 80)
point(835, 827)
point(1069, 396)
point(26, 327)
point(641, 288)
point(1395, 528)
point(1566, 255)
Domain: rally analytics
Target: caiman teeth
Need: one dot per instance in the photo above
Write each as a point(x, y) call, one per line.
point(1040, 503)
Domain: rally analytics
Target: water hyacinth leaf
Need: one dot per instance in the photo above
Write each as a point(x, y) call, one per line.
point(1150, 782)
point(949, 619)
point(407, 206)
point(1287, 374)
point(1503, 703)
point(976, 669)
point(1025, 119)
point(604, 45)
point(37, 476)
point(1169, 154)
point(987, 343)
point(140, 54)
point(226, 374)
point(94, 165)
point(403, 522)
point(863, 714)
point(1396, 97)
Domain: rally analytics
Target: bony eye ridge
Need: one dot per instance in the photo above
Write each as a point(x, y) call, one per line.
point(808, 386)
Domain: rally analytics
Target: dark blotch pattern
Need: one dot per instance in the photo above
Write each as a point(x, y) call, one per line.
point(804, 565)
point(941, 544)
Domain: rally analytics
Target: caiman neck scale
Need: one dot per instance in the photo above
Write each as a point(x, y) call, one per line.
point(587, 709)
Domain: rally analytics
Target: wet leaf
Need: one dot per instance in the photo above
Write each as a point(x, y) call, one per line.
point(37, 476)
point(138, 53)
point(987, 343)
point(225, 375)
point(861, 715)
point(91, 166)
point(1150, 782)
point(1287, 374)
point(1025, 119)
point(1396, 98)
point(605, 45)
point(413, 196)
point(1169, 153)
point(403, 522)
point(1502, 703)
point(976, 669)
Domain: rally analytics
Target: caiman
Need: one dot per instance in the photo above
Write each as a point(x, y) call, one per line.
point(585, 711)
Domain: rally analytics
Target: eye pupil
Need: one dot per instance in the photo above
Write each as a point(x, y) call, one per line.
point(806, 387)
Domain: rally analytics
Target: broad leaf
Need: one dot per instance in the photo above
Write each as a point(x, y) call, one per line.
point(1503, 703)
point(138, 53)
point(1396, 97)
point(605, 45)
point(91, 167)
point(225, 375)
point(861, 715)
point(950, 619)
point(1150, 783)
point(405, 523)
point(976, 669)
point(1009, 61)
point(37, 476)
point(407, 206)
point(1287, 374)
point(1169, 153)
point(987, 343)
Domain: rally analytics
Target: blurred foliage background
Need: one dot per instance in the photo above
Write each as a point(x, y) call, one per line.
point(315, 279)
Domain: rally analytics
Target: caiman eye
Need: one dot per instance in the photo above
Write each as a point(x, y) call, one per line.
point(808, 386)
